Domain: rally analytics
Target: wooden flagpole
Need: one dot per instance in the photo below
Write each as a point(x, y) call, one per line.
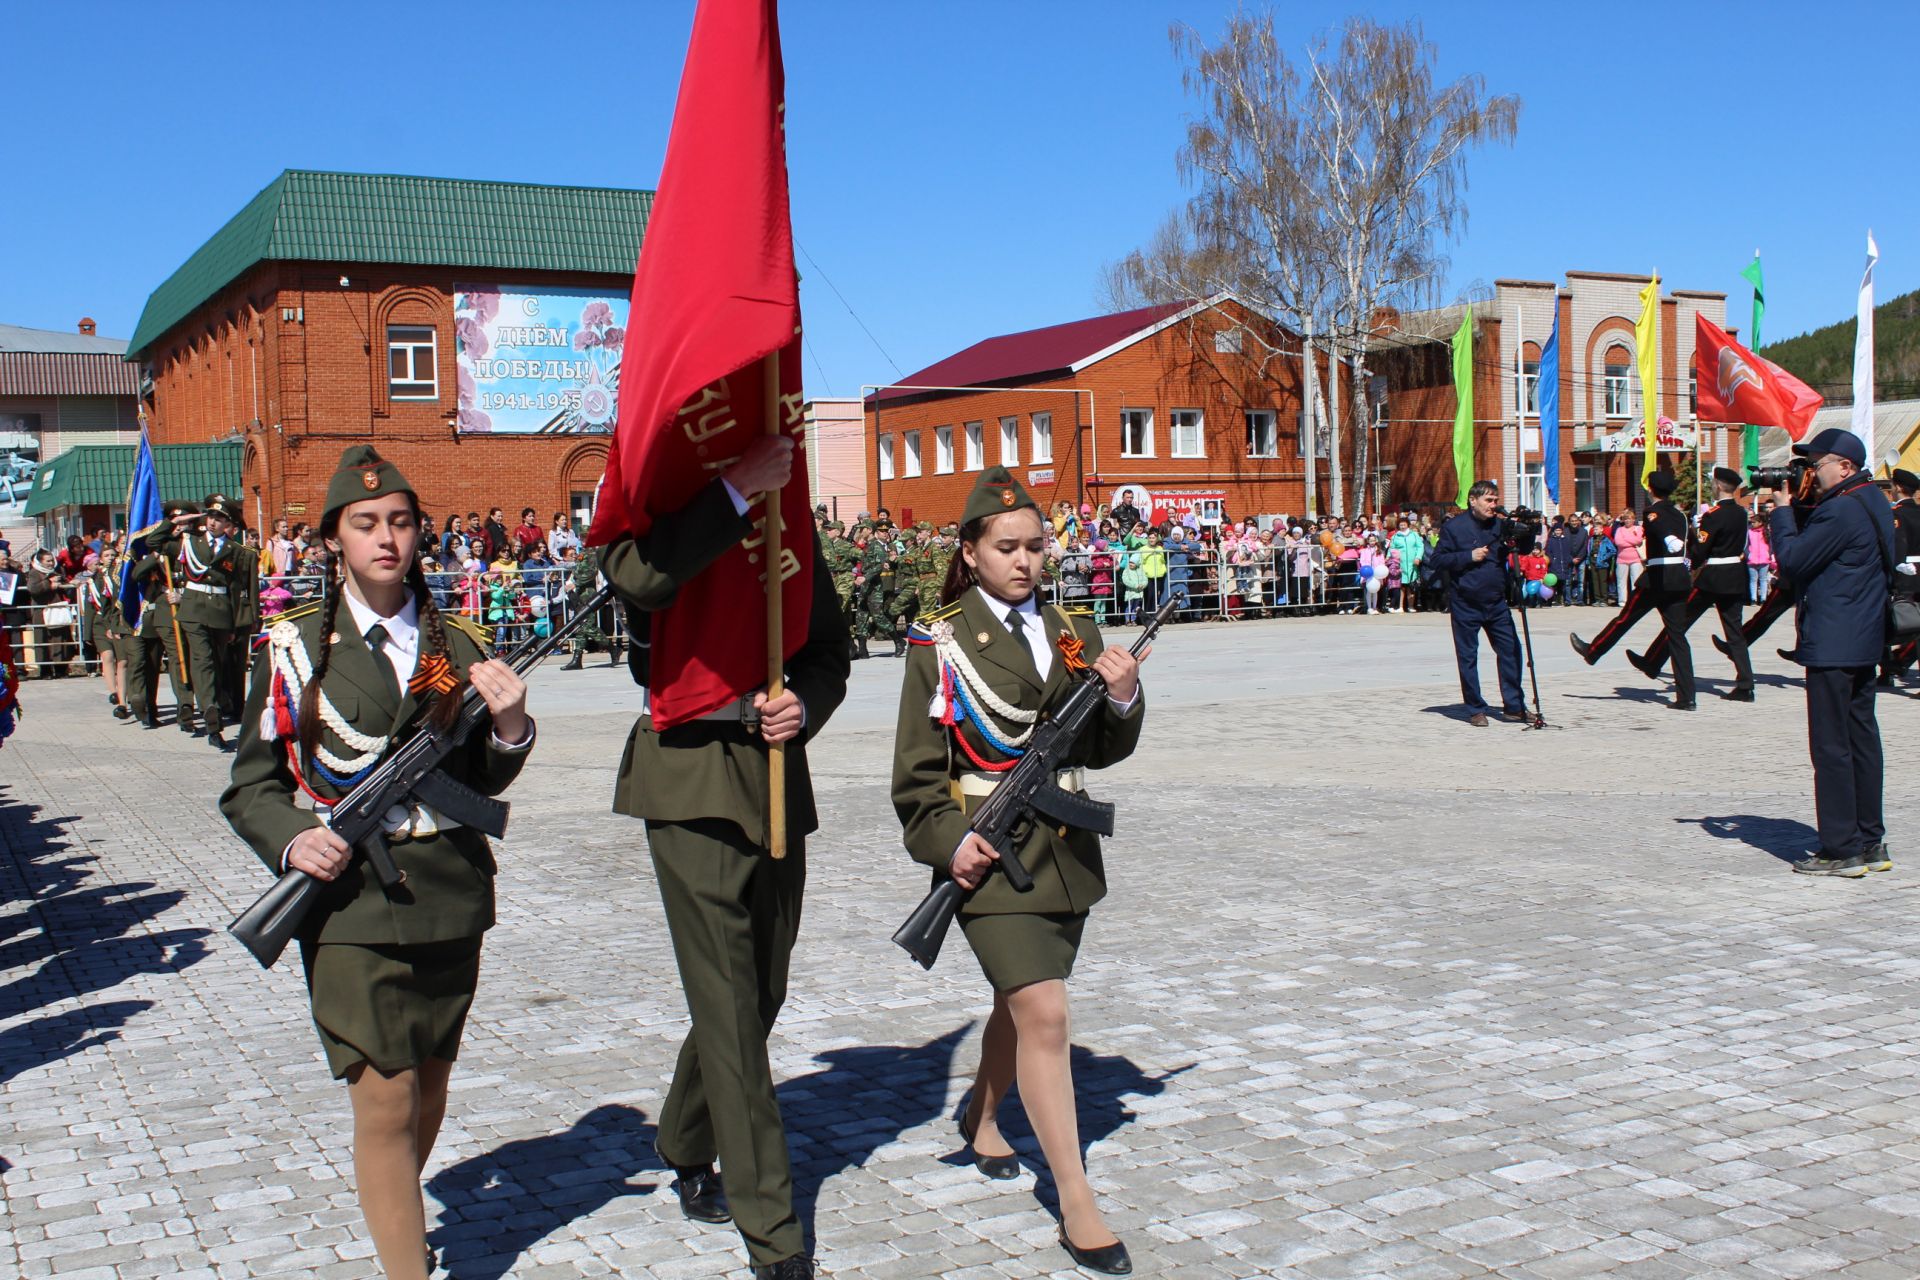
point(776, 630)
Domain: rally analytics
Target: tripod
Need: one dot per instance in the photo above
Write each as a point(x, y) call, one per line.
point(1536, 719)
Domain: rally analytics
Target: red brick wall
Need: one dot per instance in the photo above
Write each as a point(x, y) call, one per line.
point(302, 391)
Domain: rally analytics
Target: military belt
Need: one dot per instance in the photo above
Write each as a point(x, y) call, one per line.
point(1726, 559)
point(206, 588)
point(1655, 564)
point(985, 784)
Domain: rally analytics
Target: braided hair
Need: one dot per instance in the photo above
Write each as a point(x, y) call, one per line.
point(445, 706)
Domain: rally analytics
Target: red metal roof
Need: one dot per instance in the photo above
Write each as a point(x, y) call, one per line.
point(1014, 356)
point(63, 373)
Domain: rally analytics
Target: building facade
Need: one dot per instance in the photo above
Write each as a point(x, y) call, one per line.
point(59, 390)
point(471, 331)
point(836, 457)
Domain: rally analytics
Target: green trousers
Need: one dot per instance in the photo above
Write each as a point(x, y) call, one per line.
point(733, 912)
point(143, 675)
point(207, 659)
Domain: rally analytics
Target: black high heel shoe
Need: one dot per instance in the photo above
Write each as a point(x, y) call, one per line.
point(1108, 1260)
point(999, 1168)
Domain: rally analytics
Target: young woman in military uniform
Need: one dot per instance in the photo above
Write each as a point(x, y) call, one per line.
point(980, 673)
point(106, 628)
point(391, 972)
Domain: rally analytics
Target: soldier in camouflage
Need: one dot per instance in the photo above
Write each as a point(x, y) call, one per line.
point(594, 632)
point(841, 557)
point(873, 580)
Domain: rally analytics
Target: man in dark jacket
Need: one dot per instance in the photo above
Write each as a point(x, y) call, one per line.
point(1560, 560)
point(1837, 551)
point(1470, 554)
point(1573, 584)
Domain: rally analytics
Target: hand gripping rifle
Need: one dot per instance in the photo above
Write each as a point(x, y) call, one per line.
point(409, 772)
point(1028, 792)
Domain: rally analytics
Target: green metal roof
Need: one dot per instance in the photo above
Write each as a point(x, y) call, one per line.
point(98, 475)
point(304, 216)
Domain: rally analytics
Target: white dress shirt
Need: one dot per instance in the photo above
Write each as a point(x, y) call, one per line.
point(402, 649)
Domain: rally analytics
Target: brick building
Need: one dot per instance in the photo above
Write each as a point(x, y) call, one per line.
point(59, 390)
point(469, 330)
point(1184, 403)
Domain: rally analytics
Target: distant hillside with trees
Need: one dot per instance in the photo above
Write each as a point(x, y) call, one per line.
point(1824, 358)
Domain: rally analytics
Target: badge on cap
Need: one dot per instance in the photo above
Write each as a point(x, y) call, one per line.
point(1006, 497)
point(370, 479)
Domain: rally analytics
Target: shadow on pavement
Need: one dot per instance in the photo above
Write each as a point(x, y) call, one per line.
point(66, 936)
point(502, 1202)
point(1784, 838)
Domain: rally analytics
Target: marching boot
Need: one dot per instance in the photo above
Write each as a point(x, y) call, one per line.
point(899, 643)
point(1582, 648)
point(860, 650)
point(702, 1198)
point(1643, 665)
point(577, 661)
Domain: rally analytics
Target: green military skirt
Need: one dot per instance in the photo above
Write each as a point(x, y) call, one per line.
point(1018, 949)
point(392, 1006)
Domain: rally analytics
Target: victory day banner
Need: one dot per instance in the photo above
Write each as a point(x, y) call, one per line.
point(545, 363)
point(1738, 386)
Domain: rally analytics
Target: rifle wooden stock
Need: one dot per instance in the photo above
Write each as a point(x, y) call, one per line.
point(1021, 794)
point(412, 769)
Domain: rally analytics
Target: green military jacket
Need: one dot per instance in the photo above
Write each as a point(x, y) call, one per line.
point(708, 768)
point(156, 616)
point(448, 892)
point(244, 590)
point(205, 579)
point(1068, 874)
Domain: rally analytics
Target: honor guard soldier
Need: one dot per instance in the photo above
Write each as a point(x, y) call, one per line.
point(1664, 585)
point(1719, 557)
point(209, 560)
point(1906, 567)
point(391, 973)
point(732, 909)
point(162, 642)
point(983, 670)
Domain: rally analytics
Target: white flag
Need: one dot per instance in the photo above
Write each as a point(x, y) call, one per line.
point(1863, 358)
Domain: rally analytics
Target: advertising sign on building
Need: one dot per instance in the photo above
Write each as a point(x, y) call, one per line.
point(1171, 506)
point(538, 363)
point(1670, 437)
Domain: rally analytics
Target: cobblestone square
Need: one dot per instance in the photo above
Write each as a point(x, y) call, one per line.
point(1375, 994)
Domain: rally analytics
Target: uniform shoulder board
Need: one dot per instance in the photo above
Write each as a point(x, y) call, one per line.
point(474, 631)
point(294, 615)
point(1076, 612)
point(944, 611)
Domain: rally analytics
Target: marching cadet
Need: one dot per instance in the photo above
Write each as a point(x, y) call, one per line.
point(391, 973)
point(106, 628)
point(871, 587)
point(161, 637)
point(209, 563)
point(1719, 557)
point(244, 594)
point(732, 909)
point(1665, 583)
point(982, 671)
point(840, 556)
point(1906, 567)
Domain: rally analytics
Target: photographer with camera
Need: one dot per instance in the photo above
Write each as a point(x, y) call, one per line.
point(1665, 585)
point(1835, 545)
point(1473, 551)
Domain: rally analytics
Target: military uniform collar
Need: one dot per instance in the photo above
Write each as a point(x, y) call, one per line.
point(403, 627)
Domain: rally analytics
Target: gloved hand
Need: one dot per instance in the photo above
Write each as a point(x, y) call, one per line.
point(1674, 545)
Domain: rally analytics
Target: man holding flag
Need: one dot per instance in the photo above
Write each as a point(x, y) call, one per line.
point(692, 512)
point(143, 599)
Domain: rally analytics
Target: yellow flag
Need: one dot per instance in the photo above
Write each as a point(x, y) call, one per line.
point(1646, 337)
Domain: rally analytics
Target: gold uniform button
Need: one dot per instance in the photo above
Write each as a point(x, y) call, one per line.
point(981, 638)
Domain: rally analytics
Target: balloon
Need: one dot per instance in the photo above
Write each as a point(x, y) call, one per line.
point(1546, 592)
point(1531, 590)
point(1553, 579)
point(1366, 572)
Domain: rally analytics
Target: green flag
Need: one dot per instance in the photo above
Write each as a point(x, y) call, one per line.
point(1463, 401)
point(1752, 275)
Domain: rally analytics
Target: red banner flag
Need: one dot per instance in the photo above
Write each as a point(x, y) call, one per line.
point(714, 293)
point(1736, 385)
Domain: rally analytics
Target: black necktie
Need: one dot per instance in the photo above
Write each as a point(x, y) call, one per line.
point(377, 641)
point(1017, 625)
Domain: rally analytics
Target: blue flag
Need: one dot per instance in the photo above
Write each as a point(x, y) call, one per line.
point(1547, 397)
point(144, 514)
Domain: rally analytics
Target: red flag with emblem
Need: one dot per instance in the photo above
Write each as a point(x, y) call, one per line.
point(713, 294)
point(1736, 385)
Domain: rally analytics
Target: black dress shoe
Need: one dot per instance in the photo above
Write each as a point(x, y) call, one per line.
point(999, 1168)
point(701, 1196)
point(1677, 705)
point(1640, 664)
point(121, 713)
point(215, 740)
point(1109, 1260)
point(798, 1267)
point(1738, 695)
point(1581, 647)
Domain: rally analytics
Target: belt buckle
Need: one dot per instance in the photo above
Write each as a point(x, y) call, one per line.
point(748, 716)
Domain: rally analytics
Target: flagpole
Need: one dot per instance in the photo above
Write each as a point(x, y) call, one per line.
point(776, 629)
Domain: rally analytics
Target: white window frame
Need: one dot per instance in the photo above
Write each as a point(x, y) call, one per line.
point(1583, 486)
point(1042, 435)
point(943, 451)
point(1270, 426)
point(1533, 483)
point(1228, 342)
point(415, 341)
point(1529, 388)
point(913, 453)
point(1010, 442)
point(1624, 383)
point(885, 455)
point(1199, 428)
point(1693, 394)
point(1130, 418)
point(976, 434)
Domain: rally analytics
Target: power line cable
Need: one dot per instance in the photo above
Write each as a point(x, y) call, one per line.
point(897, 371)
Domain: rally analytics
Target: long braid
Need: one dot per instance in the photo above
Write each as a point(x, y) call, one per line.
point(446, 706)
point(310, 696)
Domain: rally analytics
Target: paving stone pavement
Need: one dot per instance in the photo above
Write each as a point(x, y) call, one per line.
point(1375, 994)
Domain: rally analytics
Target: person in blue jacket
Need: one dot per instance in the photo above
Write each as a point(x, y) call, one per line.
point(1470, 554)
point(1180, 570)
point(1836, 549)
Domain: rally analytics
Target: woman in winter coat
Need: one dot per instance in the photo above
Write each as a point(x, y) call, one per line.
point(1411, 549)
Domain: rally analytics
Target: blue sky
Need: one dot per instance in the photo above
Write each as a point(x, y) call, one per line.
point(959, 169)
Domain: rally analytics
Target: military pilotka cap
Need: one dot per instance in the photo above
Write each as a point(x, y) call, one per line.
point(1662, 482)
point(219, 504)
point(363, 474)
point(996, 493)
point(1834, 440)
point(1727, 475)
point(1905, 480)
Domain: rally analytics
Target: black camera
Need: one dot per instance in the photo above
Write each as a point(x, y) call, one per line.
point(1518, 530)
point(1788, 479)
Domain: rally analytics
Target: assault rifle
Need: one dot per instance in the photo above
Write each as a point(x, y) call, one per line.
point(410, 772)
point(1028, 792)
